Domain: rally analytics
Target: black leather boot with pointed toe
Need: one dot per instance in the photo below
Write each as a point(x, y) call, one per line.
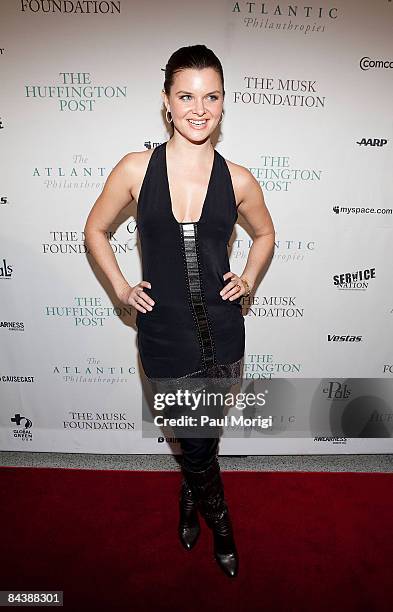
point(189, 527)
point(208, 490)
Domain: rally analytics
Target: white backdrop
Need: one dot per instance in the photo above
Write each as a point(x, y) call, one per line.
point(305, 111)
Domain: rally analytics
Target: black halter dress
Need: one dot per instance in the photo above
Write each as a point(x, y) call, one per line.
point(191, 331)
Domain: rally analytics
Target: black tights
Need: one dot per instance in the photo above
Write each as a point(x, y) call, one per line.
point(198, 453)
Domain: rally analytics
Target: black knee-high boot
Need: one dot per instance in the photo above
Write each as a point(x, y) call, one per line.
point(197, 454)
point(189, 527)
point(208, 489)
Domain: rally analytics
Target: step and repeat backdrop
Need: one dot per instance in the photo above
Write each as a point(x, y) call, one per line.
point(308, 110)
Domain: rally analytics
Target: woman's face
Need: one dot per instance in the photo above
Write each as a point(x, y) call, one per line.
point(195, 95)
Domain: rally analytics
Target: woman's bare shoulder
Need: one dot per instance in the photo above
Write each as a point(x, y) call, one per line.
point(135, 159)
point(240, 173)
point(135, 165)
point(241, 177)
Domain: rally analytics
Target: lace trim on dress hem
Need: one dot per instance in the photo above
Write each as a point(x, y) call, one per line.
point(231, 372)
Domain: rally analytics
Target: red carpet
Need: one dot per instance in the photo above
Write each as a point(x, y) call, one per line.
point(108, 539)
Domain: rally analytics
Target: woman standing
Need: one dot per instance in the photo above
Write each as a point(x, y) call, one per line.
point(189, 316)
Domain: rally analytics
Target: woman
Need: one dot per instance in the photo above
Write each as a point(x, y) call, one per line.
point(189, 316)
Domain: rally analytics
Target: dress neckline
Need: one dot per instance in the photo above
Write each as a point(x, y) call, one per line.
point(203, 209)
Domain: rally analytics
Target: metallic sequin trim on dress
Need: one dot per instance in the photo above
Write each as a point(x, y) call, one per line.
point(188, 232)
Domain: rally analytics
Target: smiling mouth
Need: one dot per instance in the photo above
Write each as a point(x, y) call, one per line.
point(198, 123)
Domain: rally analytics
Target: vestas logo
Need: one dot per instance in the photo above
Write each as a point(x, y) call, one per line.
point(68, 6)
point(347, 338)
point(372, 142)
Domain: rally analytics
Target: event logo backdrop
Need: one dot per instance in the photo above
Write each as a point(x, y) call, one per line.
point(308, 110)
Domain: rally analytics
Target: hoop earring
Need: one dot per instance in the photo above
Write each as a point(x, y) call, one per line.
point(166, 116)
point(222, 115)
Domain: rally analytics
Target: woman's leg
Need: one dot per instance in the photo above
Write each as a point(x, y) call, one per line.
point(198, 453)
point(208, 491)
point(202, 483)
point(201, 470)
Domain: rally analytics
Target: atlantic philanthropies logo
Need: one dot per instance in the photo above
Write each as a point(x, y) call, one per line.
point(76, 91)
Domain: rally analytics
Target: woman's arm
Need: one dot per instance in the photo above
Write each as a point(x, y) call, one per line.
point(253, 208)
point(116, 195)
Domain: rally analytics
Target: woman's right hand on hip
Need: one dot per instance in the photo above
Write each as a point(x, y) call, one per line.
point(137, 297)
